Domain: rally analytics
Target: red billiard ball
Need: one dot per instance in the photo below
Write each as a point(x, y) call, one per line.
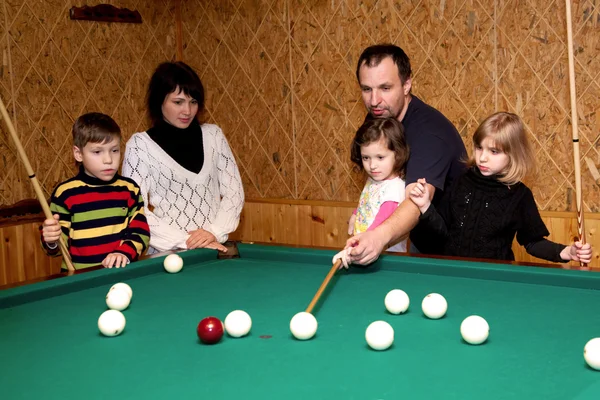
point(210, 330)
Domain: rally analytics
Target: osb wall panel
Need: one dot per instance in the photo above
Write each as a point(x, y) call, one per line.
point(318, 223)
point(280, 81)
point(54, 69)
point(533, 81)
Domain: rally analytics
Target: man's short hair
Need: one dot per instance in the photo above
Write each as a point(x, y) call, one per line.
point(373, 55)
point(94, 128)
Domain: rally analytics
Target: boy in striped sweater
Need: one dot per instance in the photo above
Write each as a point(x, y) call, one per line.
point(99, 213)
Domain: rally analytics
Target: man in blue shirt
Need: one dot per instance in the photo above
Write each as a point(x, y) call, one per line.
point(436, 148)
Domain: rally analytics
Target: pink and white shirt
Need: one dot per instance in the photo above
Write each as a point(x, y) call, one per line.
point(378, 201)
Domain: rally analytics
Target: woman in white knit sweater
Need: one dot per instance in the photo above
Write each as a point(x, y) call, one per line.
point(188, 175)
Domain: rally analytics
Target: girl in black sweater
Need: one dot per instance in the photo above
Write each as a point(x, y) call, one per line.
point(482, 211)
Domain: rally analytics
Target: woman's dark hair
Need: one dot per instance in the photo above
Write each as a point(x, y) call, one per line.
point(166, 79)
point(374, 129)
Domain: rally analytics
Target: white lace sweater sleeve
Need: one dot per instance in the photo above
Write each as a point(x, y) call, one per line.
point(231, 190)
point(181, 200)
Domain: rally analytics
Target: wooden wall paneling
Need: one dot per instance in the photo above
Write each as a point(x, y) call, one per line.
point(4, 265)
point(249, 213)
point(279, 228)
point(21, 255)
point(256, 228)
point(254, 216)
point(12, 243)
point(267, 215)
point(39, 263)
point(286, 228)
point(30, 247)
point(336, 226)
point(311, 223)
point(317, 231)
point(305, 222)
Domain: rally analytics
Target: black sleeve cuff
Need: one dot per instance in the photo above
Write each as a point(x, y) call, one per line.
point(547, 250)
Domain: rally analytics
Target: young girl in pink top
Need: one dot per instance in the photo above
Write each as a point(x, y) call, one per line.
point(379, 148)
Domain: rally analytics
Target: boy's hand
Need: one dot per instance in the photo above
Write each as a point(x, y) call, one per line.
point(51, 230)
point(351, 222)
point(420, 195)
point(200, 238)
point(116, 260)
point(578, 252)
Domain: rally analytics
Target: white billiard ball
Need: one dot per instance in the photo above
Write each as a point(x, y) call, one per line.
point(173, 263)
point(397, 301)
point(117, 299)
point(474, 329)
point(379, 335)
point(591, 353)
point(123, 286)
point(434, 306)
point(111, 323)
point(238, 323)
point(303, 326)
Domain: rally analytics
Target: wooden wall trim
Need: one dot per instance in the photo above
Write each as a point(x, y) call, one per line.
point(22, 212)
point(23, 207)
point(298, 202)
point(30, 210)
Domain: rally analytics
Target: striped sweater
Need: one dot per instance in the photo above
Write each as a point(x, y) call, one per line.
point(100, 217)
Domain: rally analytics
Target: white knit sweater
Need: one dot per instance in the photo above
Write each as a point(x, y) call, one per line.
point(183, 201)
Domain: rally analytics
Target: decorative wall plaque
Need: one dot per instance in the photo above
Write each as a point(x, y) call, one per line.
point(105, 13)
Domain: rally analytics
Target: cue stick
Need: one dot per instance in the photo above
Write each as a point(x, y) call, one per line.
point(332, 272)
point(580, 219)
point(36, 185)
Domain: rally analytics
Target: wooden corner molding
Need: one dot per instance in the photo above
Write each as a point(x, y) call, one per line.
point(105, 13)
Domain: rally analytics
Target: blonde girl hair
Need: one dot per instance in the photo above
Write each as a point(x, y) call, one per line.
point(507, 132)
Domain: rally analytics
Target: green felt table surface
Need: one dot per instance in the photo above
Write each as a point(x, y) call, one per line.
point(540, 320)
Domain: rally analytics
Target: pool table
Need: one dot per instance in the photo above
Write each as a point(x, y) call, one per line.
point(540, 320)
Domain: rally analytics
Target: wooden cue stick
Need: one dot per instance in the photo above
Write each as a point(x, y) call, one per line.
point(580, 219)
point(332, 272)
point(36, 185)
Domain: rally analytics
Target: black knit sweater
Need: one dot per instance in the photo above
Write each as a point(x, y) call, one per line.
point(479, 217)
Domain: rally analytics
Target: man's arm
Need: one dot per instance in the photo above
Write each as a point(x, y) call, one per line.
point(366, 247)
